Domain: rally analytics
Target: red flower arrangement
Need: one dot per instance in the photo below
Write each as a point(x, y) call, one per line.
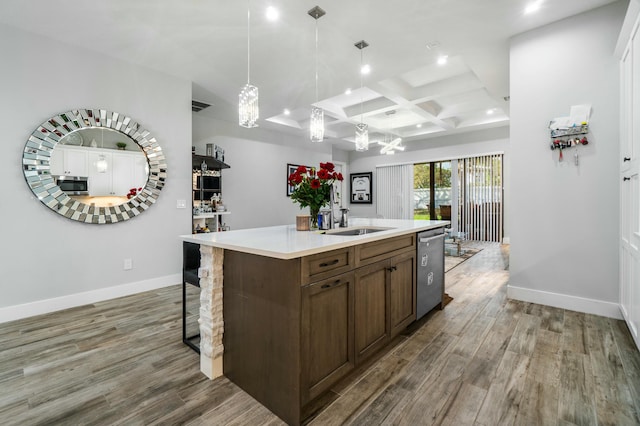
point(313, 188)
point(133, 192)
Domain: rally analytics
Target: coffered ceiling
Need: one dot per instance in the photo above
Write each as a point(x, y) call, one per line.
point(407, 94)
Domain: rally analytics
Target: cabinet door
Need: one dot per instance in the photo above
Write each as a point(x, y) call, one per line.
point(123, 174)
point(67, 161)
point(402, 287)
point(371, 319)
point(56, 162)
point(327, 330)
point(75, 162)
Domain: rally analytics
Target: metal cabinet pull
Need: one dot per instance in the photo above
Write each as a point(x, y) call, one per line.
point(626, 179)
point(626, 159)
point(333, 262)
point(335, 283)
point(392, 268)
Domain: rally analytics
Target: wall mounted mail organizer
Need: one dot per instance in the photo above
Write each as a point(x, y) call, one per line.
point(569, 132)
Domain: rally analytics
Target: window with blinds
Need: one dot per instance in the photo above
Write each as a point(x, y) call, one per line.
point(480, 197)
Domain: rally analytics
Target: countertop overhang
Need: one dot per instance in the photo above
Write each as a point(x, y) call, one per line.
point(285, 242)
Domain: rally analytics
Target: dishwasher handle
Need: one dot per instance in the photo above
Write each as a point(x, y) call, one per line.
point(430, 239)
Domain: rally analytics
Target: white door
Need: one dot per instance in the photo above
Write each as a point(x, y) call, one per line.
point(630, 186)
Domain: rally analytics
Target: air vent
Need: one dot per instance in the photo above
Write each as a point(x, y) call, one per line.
point(197, 106)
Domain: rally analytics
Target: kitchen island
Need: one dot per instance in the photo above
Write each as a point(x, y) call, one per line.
point(301, 309)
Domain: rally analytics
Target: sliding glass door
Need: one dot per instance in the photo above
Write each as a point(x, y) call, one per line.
point(466, 191)
point(432, 190)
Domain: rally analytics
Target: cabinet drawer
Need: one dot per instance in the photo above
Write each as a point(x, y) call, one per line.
point(325, 265)
point(383, 249)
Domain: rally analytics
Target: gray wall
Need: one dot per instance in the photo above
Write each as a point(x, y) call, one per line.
point(50, 262)
point(565, 218)
point(254, 188)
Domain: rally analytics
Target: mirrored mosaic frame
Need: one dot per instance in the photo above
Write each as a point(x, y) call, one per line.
point(37, 169)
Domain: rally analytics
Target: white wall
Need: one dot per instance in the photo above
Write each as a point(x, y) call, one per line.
point(564, 218)
point(48, 261)
point(254, 188)
point(443, 148)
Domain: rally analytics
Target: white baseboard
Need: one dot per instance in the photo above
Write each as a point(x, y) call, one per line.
point(11, 313)
point(564, 301)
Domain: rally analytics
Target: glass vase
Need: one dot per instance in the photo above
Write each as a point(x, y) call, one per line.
point(314, 217)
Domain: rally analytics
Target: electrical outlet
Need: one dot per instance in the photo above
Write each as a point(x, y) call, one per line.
point(128, 264)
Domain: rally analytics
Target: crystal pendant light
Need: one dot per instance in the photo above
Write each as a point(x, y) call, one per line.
point(248, 110)
point(101, 164)
point(316, 122)
point(362, 130)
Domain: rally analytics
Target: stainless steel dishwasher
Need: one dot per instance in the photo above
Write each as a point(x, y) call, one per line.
point(430, 273)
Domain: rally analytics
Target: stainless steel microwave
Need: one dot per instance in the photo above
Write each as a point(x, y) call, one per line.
point(73, 185)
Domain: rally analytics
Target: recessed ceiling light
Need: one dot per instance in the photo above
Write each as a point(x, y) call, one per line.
point(366, 69)
point(442, 60)
point(272, 13)
point(286, 111)
point(418, 125)
point(347, 92)
point(533, 7)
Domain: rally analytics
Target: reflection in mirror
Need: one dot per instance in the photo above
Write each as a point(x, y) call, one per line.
point(116, 168)
point(94, 166)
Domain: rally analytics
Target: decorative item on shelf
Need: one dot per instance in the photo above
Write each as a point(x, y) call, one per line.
point(210, 149)
point(248, 109)
point(313, 189)
point(316, 124)
point(121, 145)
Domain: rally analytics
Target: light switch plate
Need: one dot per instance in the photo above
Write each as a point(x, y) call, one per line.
point(181, 204)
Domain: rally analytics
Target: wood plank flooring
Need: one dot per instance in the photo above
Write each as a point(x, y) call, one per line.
point(483, 360)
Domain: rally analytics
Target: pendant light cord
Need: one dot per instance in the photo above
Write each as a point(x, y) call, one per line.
point(316, 59)
point(248, 42)
point(361, 85)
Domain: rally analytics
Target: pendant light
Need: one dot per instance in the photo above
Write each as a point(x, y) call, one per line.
point(248, 110)
point(316, 123)
point(362, 130)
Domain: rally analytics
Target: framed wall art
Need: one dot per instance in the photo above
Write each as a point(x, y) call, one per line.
point(361, 188)
point(291, 168)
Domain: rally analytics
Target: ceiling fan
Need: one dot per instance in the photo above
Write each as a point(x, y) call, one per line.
point(390, 148)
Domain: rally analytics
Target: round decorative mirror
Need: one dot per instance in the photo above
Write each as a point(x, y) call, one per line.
point(94, 166)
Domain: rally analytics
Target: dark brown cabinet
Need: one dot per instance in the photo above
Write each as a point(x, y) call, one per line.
point(293, 328)
point(384, 302)
point(371, 309)
point(327, 334)
point(402, 292)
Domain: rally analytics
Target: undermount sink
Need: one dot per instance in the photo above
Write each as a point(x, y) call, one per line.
point(357, 231)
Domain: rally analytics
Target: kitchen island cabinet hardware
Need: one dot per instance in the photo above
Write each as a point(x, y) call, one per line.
point(625, 159)
point(335, 283)
point(624, 179)
point(333, 262)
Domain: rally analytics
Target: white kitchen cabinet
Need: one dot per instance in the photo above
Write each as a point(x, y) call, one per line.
point(630, 184)
point(125, 170)
point(69, 161)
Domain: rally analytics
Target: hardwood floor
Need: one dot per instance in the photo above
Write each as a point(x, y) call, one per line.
point(483, 360)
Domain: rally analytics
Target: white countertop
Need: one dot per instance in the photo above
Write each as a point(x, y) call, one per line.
point(284, 242)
